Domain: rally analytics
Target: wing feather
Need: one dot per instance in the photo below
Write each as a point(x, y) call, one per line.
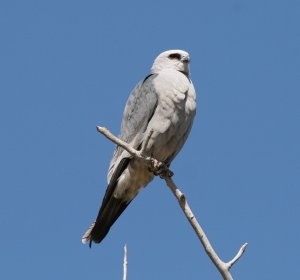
point(139, 110)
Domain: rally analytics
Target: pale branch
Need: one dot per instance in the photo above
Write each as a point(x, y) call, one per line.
point(118, 141)
point(145, 143)
point(125, 263)
point(223, 267)
point(238, 255)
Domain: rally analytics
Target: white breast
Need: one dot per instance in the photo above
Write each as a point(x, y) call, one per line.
point(174, 114)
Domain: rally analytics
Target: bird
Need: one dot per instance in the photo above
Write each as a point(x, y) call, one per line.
point(162, 105)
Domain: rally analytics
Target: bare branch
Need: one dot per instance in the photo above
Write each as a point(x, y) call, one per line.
point(118, 141)
point(145, 143)
point(125, 263)
point(166, 175)
point(221, 266)
point(238, 255)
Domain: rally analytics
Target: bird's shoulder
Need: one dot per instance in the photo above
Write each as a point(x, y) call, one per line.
point(143, 90)
point(139, 109)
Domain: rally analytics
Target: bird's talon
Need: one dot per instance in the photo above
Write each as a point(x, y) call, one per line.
point(170, 173)
point(160, 169)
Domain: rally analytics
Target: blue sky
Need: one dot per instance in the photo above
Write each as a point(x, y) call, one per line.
point(67, 66)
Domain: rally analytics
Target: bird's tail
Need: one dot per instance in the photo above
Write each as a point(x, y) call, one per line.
point(110, 209)
point(106, 218)
point(87, 236)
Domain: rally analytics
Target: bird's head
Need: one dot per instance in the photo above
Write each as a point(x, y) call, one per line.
point(173, 59)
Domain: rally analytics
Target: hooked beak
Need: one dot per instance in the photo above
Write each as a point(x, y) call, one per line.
point(185, 59)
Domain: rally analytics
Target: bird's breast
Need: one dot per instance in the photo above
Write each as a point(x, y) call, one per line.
point(173, 116)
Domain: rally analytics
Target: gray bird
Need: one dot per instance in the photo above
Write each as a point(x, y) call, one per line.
point(164, 102)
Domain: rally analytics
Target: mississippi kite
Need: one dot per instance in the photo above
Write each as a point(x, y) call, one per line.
point(165, 103)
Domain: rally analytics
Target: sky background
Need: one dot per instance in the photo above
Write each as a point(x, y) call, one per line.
point(67, 66)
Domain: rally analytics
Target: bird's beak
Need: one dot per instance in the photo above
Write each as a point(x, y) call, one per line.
point(185, 59)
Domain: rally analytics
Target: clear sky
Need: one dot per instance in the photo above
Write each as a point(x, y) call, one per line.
point(67, 66)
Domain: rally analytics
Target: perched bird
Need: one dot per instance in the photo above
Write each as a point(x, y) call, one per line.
point(165, 103)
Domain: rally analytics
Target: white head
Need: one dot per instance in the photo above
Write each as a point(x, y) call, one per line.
point(173, 59)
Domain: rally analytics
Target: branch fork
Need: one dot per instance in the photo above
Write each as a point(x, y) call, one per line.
point(162, 170)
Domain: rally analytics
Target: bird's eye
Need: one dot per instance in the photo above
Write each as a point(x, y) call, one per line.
point(175, 56)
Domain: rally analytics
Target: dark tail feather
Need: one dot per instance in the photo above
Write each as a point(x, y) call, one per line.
point(110, 210)
point(106, 218)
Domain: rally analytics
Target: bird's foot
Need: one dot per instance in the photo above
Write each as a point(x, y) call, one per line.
point(160, 169)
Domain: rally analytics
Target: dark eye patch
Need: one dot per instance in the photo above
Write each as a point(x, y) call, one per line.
point(175, 56)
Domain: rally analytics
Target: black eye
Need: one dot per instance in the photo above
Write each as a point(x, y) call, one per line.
point(175, 56)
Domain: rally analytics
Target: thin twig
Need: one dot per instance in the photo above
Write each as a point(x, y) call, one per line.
point(118, 141)
point(238, 255)
point(223, 267)
point(145, 143)
point(125, 263)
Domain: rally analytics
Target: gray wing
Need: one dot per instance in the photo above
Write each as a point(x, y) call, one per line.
point(139, 110)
